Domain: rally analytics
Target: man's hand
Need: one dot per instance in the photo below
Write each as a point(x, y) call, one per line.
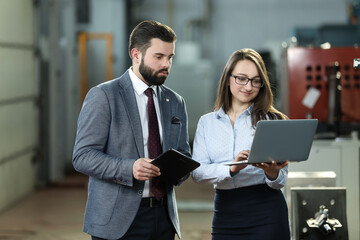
point(144, 170)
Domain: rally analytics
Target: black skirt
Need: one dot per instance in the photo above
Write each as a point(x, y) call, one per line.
point(252, 213)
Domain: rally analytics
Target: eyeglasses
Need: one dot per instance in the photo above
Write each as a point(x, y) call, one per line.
point(256, 82)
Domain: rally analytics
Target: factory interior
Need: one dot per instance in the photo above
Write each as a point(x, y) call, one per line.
point(53, 51)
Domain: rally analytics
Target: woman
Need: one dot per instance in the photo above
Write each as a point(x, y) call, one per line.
point(248, 201)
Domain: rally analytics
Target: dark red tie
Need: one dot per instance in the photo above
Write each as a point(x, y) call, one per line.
point(154, 144)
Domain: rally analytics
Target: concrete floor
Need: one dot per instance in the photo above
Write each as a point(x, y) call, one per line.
point(56, 213)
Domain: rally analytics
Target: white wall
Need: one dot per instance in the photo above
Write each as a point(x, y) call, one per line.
point(18, 92)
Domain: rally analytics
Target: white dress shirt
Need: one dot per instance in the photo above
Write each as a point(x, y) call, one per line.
point(217, 142)
point(141, 99)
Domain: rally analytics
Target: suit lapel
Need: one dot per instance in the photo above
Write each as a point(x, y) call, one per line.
point(128, 96)
point(165, 108)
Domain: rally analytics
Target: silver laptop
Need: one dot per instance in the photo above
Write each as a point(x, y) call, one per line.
point(281, 140)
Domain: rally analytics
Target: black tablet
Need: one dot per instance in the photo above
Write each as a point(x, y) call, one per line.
point(174, 165)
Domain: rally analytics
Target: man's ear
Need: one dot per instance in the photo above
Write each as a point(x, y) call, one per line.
point(136, 55)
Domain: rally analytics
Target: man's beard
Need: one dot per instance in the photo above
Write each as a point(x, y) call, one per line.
point(149, 77)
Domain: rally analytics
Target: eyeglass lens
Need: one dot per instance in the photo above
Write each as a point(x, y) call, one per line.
point(243, 80)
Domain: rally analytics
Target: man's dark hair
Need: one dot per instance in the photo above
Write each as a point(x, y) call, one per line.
point(142, 34)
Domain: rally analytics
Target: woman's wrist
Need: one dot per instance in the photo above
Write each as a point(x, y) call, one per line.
point(272, 177)
point(233, 173)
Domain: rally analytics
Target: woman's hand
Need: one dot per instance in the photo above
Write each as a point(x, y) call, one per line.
point(243, 155)
point(271, 169)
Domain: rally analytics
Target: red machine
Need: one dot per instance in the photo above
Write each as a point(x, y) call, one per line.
point(313, 68)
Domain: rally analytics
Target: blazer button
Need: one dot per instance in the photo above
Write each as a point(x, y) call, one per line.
point(140, 192)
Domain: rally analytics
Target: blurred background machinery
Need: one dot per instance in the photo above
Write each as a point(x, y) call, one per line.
point(321, 82)
point(319, 79)
point(328, 74)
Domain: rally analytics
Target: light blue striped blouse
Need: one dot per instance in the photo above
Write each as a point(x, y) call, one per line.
point(217, 142)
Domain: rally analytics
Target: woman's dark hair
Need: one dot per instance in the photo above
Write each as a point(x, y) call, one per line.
point(142, 34)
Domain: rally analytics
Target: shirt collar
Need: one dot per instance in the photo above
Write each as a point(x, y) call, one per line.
point(138, 85)
point(221, 113)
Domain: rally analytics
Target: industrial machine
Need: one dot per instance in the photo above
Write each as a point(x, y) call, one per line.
point(319, 213)
point(324, 83)
point(326, 77)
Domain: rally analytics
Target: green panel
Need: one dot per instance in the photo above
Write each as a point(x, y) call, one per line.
point(17, 72)
point(17, 22)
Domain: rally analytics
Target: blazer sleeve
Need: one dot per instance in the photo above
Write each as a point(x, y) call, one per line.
point(89, 155)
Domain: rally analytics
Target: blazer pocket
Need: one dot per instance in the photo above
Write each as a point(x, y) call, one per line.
point(175, 120)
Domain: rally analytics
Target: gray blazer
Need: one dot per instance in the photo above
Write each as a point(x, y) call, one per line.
point(109, 140)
